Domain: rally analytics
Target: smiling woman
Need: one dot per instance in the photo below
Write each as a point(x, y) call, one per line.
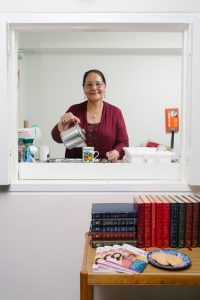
point(102, 122)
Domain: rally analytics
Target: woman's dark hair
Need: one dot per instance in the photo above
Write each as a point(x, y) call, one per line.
point(94, 71)
point(117, 255)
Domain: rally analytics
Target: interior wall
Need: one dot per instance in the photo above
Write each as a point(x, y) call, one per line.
point(103, 5)
point(143, 73)
point(41, 247)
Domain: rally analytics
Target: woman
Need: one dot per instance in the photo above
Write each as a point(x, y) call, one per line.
point(103, 123)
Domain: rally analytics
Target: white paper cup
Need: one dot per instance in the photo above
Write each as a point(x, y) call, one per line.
point(44, 153)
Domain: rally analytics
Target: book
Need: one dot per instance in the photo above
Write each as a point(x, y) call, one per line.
point(181, 221)
point(166, 221)
point(173, 221)
point(113, 210)
point(113, 228)
point(153, 219)
point(195, 220)
point(113, 235)
point(197, 197)
point(147, 220)
point(123, 259)
point(101, 243)
point(158, 222)
point(141, 223)
point(114, 222)
point(188, 221)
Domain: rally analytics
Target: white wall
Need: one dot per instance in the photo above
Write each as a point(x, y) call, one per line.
point(41, 246)
point(97, 5)
point(52, 70)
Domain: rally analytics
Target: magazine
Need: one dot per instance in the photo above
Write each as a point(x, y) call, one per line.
point(122, 259)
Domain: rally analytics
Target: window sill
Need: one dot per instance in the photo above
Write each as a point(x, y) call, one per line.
point(115, 178)
point(99, 171)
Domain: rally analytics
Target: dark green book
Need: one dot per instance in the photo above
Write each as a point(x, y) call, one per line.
point(181, 222)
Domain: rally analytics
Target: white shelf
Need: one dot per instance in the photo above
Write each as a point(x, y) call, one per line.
point(99, 171)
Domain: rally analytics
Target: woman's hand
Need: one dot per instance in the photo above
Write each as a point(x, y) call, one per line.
point(113, 155)
point(66, 120)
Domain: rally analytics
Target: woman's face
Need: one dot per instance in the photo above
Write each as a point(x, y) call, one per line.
point(94, 87)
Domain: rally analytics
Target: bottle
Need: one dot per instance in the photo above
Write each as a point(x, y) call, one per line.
point(37, 139)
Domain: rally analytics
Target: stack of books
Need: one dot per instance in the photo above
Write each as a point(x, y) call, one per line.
point(113, 223)
point(168, 220)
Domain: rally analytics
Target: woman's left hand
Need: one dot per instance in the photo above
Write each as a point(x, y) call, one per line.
point(113, 155)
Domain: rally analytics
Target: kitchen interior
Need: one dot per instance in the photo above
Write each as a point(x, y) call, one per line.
point(146, 81)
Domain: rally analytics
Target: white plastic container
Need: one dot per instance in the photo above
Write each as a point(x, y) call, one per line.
point(147, 155)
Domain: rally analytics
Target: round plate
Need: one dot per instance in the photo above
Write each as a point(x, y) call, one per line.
point(185, 258)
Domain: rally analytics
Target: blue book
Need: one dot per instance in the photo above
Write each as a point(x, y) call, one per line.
point(174, 219)
point(113, 210)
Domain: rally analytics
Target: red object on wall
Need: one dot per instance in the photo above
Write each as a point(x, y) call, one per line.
point(172, 119)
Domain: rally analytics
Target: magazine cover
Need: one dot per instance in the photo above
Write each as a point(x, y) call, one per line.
point(124, 259)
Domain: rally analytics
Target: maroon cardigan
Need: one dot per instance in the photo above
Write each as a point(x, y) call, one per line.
point(112, 133)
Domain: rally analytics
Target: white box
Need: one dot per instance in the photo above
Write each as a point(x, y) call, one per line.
point(147, 154)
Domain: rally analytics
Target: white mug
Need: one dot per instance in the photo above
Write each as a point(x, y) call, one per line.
point(44, 153)
point(89, 154)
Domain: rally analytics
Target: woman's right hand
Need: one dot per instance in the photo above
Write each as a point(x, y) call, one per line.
point(66, 120)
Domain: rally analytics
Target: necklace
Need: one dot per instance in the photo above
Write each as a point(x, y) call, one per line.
point(92, 114)
point(95, 114)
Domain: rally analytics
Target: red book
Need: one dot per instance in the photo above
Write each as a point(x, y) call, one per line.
point(195, 220)
point(140, 212)
point(188, 221)
point(166, 221)
point(153, 219)
point(118, 235)
point(197, 197)
point(159, 222)
point(147, 221)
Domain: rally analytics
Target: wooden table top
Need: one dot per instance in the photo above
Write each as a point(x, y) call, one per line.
point(150, 276)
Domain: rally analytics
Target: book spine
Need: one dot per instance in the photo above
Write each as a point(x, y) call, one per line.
point(113, 235)
point(113, 228)
point(113, 215)
point(147, 224)
point(174, 225)
point(197, 198)
point(102, 243)
point(140, 208)
point(188, 225)
point(166, 225)
point(181, 225)
point(159, 225)
point(195, 225)
point(114, 222)
point(153, 223)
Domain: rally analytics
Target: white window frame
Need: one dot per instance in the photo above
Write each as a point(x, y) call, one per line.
point(188, 23)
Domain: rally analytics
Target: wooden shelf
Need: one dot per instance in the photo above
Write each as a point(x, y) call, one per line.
point(150, 276)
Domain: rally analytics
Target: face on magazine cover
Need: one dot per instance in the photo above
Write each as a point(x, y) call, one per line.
point(106, 256)
point(96, 260)
point(117, 256)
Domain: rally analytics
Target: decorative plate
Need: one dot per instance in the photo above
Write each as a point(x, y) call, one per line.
point(185, 258)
